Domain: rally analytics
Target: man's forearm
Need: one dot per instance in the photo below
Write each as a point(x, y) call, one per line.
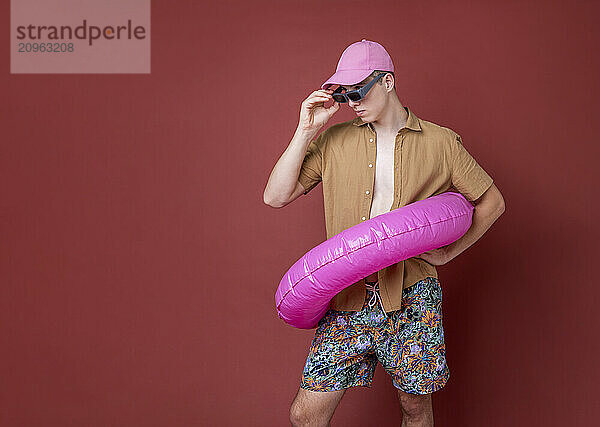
point(484, 215)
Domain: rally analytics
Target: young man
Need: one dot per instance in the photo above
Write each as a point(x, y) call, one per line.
point(385, 158)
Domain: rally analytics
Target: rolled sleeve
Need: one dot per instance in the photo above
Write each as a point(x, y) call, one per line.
point(312, 166)
point(468, 177)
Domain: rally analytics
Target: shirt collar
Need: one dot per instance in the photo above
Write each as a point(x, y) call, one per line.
point(412, 122)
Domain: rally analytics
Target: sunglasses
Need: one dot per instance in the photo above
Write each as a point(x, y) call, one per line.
point(354, 95)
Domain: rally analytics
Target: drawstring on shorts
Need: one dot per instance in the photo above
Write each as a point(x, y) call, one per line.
point(375, 289)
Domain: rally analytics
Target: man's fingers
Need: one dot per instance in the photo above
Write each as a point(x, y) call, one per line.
point(317, 99)
point(319, 95)
point(321, 92)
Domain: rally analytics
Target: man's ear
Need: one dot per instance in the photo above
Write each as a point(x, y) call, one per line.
point(390, 82)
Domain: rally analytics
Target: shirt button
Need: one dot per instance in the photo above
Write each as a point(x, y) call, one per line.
point(367, 192)
point(363, 218)
point(370, 165)
point(370, 139)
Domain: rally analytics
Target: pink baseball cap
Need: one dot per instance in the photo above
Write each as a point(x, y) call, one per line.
point(358, 61)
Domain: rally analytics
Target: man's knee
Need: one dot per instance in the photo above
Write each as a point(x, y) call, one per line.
point(311, 408)
point(414, 405)
point(301, 417)
point(307, 416)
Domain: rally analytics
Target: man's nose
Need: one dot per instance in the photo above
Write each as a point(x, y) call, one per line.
point(353, 104)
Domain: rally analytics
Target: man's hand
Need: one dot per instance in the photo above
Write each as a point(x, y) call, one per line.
point(313, 114)
point(437, 256)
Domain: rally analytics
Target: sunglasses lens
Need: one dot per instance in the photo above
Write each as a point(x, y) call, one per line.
point(338, 98)
point(354, 96)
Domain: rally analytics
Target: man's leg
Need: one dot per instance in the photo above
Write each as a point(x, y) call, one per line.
point(314, 408)
point(340, 357)
point(417, 409)
point(413, 351)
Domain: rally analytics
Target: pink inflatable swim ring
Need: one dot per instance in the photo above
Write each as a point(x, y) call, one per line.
point(305, 291)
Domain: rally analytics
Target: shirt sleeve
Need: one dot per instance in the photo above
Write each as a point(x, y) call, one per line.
point(311, 169)
point(468, 177)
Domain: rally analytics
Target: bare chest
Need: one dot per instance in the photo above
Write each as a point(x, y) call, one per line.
point(383, 190)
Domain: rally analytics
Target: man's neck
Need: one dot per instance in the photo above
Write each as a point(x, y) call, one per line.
point(393, 119)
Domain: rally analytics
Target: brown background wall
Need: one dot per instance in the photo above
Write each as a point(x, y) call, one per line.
point(139, 263)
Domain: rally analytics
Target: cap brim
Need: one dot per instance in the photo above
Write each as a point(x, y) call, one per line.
point(346, 77)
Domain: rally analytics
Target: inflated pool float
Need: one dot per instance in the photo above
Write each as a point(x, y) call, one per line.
point(307, 288)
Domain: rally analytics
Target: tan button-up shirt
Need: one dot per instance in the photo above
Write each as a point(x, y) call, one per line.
point(429, 159)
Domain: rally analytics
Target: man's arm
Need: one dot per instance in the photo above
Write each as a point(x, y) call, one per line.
point(283, 185)
point(298, 169)
point(487, 209)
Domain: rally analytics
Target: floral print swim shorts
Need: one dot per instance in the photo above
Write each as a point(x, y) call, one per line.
point(409, 344)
